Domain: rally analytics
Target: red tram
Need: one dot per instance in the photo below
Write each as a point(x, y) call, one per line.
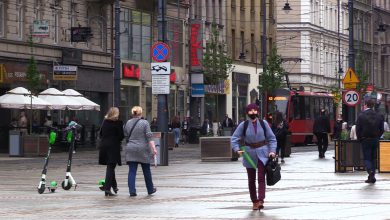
point(300, 108)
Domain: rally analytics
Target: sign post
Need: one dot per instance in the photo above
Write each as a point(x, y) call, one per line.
point(351, 97)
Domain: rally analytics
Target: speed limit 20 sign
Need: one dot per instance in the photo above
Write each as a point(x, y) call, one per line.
point(351, 97)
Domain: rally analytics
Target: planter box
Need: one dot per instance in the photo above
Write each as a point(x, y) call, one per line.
point(35, 145)
point(216, 149)
point(348, 156)
point(384, 156)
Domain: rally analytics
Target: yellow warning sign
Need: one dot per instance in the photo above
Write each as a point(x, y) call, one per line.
point(350, 77)
point(349, 85)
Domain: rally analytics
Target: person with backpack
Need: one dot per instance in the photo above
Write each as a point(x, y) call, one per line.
point(260, 143)
point(369, 128)
point(321, 128)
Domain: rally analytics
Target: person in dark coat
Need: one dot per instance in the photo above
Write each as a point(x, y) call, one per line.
point(321, 128)
point(111, 134)
point(369, 128)
point(227, 122)
point(338, 126)
point(280, 129)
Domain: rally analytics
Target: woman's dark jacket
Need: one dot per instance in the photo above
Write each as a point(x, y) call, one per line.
point(112, 136)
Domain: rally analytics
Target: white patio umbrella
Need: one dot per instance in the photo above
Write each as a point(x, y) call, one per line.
point(58, 100)
point(86, 103)
point(21, 98)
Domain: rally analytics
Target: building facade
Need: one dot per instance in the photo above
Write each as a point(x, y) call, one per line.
point(49, 25)
point(312, 43)
point(251, 33)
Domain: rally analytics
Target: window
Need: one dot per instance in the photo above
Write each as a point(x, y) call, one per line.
point(175, 39)
point(19, 18)
point(233, 44)
point(2, 18)
point(38, 9)
point(136, 38)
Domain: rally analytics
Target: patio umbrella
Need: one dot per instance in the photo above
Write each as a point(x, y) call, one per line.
point(21, 98)
point(86, 103)
point(59, 100)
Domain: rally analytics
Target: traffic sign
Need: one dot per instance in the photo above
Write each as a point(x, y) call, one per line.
point(350, 85)
point(163, 68)
point(351, 98)
point(160, 51)
point(350, 77)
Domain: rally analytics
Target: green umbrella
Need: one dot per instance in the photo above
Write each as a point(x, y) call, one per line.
point(248, 158)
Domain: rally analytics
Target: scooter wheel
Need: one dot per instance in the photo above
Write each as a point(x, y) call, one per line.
point(52, 190)
point(101, 188)
point(66, 187)
point(42, 189)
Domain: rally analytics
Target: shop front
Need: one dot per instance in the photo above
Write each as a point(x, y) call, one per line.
point(216, 101)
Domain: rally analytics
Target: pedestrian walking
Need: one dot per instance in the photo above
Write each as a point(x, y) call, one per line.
point(227, 122)
point(260, 144)
point(111, 134)
point(185, 126)
point(139, 150)
point(338, 127)
point(175, 125)
point(369, 128)
point(280, 129)
point(321, 128)
point(153, 125)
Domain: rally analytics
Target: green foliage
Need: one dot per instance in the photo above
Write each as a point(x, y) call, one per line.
point(344, 135)
point(33, 78)
point(273, 75)
point(337, 95)
point(363, 77)
point(216, 63)
point(386, 135)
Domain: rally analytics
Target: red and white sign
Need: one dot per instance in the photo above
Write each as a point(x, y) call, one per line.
point(351, 98)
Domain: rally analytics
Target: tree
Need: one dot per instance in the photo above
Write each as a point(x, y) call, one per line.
point(272, 76)
point(33, 77)
point(217, 64)
point(363, 77)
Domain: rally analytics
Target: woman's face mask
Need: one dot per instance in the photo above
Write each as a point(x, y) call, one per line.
point(252, 114)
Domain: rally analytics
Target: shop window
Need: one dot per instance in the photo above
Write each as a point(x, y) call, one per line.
point(136, 34)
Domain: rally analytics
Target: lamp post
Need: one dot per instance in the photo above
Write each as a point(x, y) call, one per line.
point(287, 8)
point(117, 65)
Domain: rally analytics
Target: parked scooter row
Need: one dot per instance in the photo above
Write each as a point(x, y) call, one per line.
point(71, 134)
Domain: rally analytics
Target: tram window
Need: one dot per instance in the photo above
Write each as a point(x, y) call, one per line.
point(299, 107)
point(307, 108)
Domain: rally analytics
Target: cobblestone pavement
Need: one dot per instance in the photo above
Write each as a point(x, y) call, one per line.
point(191, 189)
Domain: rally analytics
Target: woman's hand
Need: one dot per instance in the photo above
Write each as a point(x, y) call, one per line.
point(154, 150)
point(272, 154)
point(240, 152)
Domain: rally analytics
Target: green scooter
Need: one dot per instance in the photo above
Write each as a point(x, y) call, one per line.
point(42, 184)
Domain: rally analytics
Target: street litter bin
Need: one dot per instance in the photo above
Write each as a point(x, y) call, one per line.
point(15, 143)
point(160, 140)
point(193, 137)
point(227, 131)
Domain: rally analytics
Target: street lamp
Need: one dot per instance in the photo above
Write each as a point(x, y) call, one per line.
point(287, 8)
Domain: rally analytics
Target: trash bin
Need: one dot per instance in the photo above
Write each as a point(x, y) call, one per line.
point(287, 146)
point(193, 137)
point(227, 131)
point(160, 140)
point(15, 143)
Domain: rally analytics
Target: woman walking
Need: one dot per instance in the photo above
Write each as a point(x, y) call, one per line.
point(139, 150)
point(111, 133)
point(175, 124)
point(260, 144)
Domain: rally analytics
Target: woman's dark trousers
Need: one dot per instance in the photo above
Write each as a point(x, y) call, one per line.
point(110, 177)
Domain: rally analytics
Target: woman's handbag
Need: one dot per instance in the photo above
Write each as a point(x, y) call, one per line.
point(272, 169)
point(99, 137)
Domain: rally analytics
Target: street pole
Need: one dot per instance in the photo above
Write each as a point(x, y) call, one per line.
point(162, 104)
point(339, 72)
point(351, 56)
point(264, 36)
point(117, 66)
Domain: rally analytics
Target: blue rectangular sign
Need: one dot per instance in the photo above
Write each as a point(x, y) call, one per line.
point(197, 90)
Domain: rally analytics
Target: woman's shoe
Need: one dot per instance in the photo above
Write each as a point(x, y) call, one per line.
point(133, 194)
point(258, 205)
point(115, 190)
point(109, 193)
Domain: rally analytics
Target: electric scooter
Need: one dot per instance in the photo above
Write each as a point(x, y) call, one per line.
point(71, 134)
point(42, 184)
